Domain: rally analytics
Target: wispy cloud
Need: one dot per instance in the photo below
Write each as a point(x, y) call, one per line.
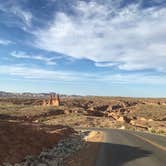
point(23, 55)
point(25, 16)
point(75, 77)
point(132, 38)
point(5, 42)
point(13, 9)
point(139, 79)
point(105, 64)
point(36, 73)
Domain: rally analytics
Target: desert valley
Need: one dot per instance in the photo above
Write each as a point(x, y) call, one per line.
point(82, 82)
point(34, 126)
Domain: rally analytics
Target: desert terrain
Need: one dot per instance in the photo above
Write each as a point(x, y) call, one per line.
point(32, 125)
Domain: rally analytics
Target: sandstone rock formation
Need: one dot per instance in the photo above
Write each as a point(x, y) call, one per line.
point(123, 119)
point(53, 100)
point(44, 102)
point(117, 106)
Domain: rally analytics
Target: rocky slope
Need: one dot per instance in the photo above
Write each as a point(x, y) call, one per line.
point(17, 140)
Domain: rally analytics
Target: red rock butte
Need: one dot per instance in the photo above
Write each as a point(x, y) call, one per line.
point(53, 100)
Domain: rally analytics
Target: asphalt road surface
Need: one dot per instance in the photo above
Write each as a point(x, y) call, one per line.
point(127, 148)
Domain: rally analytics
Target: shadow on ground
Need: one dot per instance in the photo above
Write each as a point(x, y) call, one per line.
point(107, 154)
point(117, 154)
point(51, 112)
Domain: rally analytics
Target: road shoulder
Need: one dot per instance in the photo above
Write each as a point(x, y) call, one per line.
point(87, 156)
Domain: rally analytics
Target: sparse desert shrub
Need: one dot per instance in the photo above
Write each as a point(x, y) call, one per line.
point(152, 130)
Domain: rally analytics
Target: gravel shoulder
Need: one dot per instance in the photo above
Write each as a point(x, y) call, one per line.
point(68, 148)
point(87, 156)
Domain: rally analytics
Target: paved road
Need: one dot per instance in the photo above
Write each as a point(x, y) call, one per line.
point(127, 148)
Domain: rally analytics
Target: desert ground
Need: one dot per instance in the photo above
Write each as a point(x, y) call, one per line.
point(29, 128)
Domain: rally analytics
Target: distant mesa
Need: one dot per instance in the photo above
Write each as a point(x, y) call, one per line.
point(54, 100)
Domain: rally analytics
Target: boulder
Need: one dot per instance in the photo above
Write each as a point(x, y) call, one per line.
point(95, 113)
point(117, 106)
point(150, 120)
point(113, 115)
point(132, 122)
point(66, 112)
point(163, 119)
point(123, 119)
point(142, 119)
point(90, 109)
point(130, 103)
point(122, 110)
point(122, 128)
point(102, 108)
point(109, 108)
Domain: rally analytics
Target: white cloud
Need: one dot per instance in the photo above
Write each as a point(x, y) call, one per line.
point(144, 79)
point(105, 64)
point(80, 77)
point(17, 11)
point(25, 16)
point(130, 37)
point(5, 42)
point(23, 55)
point(36, 73)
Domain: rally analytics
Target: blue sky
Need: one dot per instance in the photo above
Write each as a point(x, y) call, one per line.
point(87, 47)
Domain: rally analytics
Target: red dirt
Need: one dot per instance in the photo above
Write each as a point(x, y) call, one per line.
point(18, 140)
